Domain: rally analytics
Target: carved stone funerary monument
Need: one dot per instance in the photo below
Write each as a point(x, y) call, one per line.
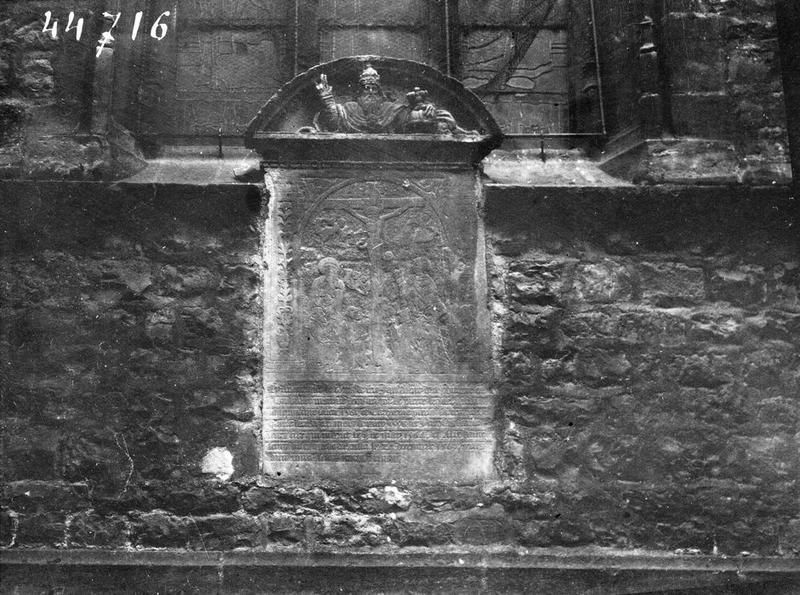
point(377, 331)
point(313, 380)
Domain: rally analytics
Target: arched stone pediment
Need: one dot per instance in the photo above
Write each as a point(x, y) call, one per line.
point(422, 113)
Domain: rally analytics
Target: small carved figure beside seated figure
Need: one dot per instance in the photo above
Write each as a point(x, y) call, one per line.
point(373, 112)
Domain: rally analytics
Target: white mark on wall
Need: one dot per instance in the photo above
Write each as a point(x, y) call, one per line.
point(218, 461)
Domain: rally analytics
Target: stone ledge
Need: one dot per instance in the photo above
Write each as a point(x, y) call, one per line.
point(690, 161)
point(538, 558)
point(596, 570)
point(547, 168)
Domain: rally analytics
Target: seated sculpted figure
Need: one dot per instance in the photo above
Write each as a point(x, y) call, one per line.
point(373, 112)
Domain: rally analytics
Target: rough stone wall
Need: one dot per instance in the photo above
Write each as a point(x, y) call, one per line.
point(646, 339)
point(724, 72)
point(703, 69)
point(619, 39)
point(130, 350)
point(715, 74)
point(647, 344)
point(52, 96)
point(649, 349)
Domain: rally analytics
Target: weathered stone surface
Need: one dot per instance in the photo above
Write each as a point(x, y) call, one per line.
point(40, 529)
point(53, 127)
point(672, 403)
point(225, 532)
point(103, 283)
point(158, 529)
point(660, 417)
point(397, 391)
point(669, 382)
point(646, 344)
point(523, 48)
point(376, 336)
point(89, 529)
point(8, 527)
point(354, 13)
point(32, 496)
point(219, 88)
point(707, 59)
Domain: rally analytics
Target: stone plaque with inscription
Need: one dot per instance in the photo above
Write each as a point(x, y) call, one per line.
point(376, 338)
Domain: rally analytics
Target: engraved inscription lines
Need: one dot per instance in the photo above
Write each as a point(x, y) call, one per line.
point(344, 422)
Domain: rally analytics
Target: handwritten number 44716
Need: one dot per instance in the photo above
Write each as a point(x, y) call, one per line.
point(157, 31)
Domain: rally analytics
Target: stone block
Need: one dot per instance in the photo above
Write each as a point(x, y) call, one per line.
point(536, 334)
point(671, 284)
point(35, 79)
point(497, 12)
point(790, 538)
point(697, 115)
point(190, 280)
point(14, 114)
point(258, 499)
point(312, 498)
point(545, 454)
point(217, 71)
point(350, 529)
point(195, 497)
point(436, 497)
point(29, 496)
point(44, 529)
point(89, 529)
point(422, 534)
point(756, 69)
point(718, 323)
point(695, 54)
point(752, 115)
point(225, 404)
point(771, 365)
point(159, 326)
point(743, 286)
point(604, 281)
point(556, 532)
point(33, 454)
point(527, 113)
point(8, 527)
point(540, 282)
point(285, 528)
point(689, 161)
point(755, 112)
point(602, 366)
point(354, 13)
point(234, 12)
point(226, 532)
point(339, 43)
point(704, 372)
point(30, 37)
point(159, 529)
point(97, 458)
point(633, 326)
point(769, 458)
point(484, 526)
